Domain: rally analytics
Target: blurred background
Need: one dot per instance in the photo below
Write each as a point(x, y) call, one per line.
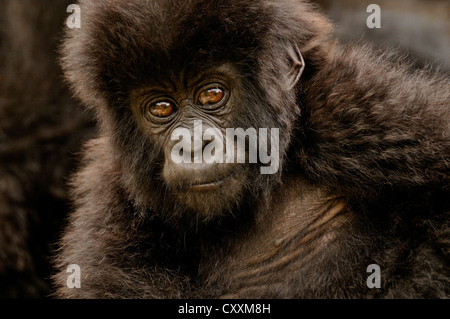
point(419, 28)
point(42, 129)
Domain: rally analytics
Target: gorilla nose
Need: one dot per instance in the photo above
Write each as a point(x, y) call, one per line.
point(190, 162)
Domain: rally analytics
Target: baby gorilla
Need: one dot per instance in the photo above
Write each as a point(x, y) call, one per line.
point(360, 146)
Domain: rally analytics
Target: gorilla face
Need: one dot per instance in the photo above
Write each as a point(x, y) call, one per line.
point(187, 116)
point(196, 123)
point(217, 138)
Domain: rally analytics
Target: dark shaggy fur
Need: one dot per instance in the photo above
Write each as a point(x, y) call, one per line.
point(40, 130)
point(364, 150)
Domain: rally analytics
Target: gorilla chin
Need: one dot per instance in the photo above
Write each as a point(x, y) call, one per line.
point(210, 193)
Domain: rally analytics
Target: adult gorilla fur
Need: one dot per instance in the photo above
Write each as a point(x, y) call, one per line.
point(364, 153)
point(41, 129)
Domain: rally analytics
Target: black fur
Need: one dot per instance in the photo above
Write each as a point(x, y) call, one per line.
point(41, 129)
point(364, 151)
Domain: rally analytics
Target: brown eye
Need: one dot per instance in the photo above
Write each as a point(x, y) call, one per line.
point(211, 96)
point(162, 109)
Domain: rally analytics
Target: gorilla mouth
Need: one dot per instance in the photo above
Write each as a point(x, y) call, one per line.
point(208, 186)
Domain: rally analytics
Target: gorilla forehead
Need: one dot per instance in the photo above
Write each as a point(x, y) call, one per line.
point(150, 38)
point(124, 45)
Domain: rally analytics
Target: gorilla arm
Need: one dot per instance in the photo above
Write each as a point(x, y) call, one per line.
point(371, 124)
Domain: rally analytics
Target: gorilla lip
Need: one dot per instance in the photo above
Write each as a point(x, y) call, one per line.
point(207, 186)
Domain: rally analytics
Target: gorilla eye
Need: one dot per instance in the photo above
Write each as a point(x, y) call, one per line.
point(162, 109)
point(211, 96)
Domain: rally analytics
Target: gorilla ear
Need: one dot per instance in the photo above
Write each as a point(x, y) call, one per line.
point(297, 65)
